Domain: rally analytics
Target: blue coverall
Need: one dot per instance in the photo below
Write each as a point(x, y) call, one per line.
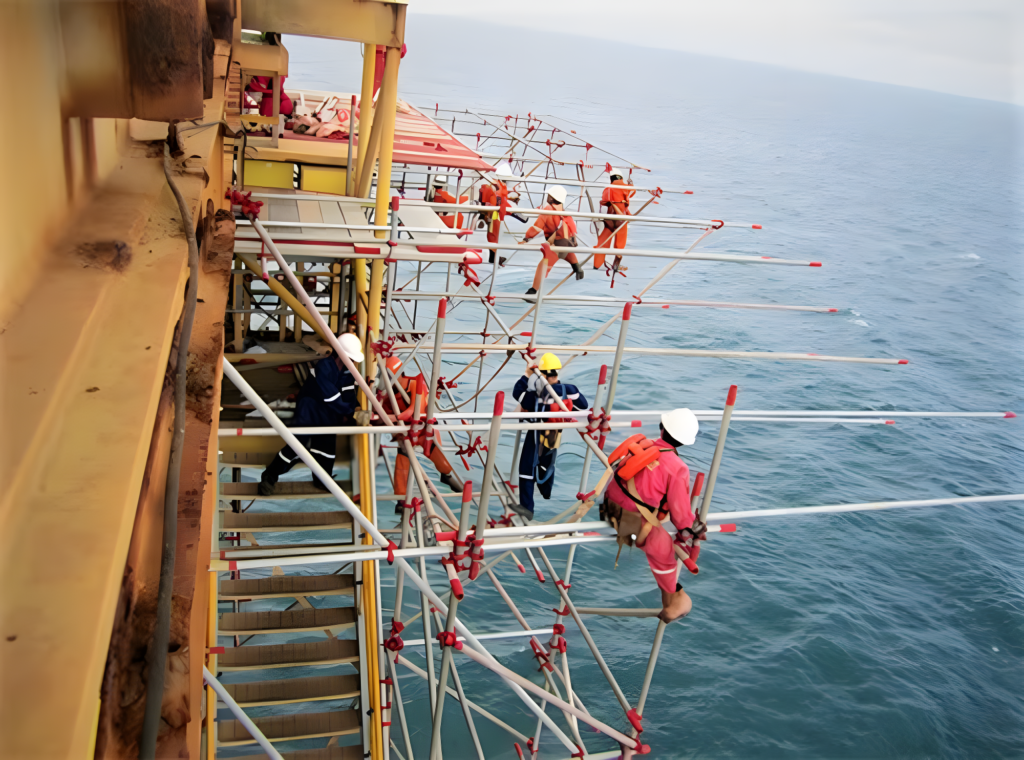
point(535, 467)
point(327, 398)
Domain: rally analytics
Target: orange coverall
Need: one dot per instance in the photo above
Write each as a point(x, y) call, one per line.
point(443, 196)
point(490, 195)
point(614, 201)
point(437, 457)
point(557, 229)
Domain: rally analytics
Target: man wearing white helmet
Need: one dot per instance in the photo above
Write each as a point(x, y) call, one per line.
point(614, 201)
point(441, 195)
point(659, 492)
point(327, 398)
point(558, 229)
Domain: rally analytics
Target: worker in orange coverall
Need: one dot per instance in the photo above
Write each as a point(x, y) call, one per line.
point(557, 229)
point(413, 387)
point(441, 195)
point(614, 201)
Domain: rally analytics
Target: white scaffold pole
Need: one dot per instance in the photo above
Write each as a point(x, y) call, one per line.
point(239, 713)
point(871, 506)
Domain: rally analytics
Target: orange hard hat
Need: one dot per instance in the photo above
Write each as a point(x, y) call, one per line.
point(393, 364)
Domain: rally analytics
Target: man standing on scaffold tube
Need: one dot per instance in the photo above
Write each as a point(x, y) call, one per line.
point(537, 461)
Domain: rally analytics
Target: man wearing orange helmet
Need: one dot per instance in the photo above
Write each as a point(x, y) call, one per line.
point(415, 386)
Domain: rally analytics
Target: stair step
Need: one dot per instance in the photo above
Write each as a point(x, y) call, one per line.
point(288, 690)
point(265, 522)
point(284, 491)
point(288, 586)
point(284, 621)
point(278, 728)
point(354, 752)
point(328, 652)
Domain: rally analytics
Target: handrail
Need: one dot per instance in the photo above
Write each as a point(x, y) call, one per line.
point(244, 719)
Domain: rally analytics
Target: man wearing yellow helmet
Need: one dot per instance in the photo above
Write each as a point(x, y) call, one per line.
point(537, 461)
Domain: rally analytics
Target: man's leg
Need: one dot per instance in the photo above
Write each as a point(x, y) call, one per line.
point(657, 545)
point(620, 236)
point(323, 448)
point(279, 465)
point(602, 242)
point(543, 269)
point(527, 466)
point(444, 469)
point(401, 472)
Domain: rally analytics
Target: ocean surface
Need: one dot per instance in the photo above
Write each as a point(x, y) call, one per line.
point(883, 635)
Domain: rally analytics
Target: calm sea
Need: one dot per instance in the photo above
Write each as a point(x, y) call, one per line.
point(890, 635)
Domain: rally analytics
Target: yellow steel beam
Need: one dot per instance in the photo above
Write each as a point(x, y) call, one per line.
point(370, 21)
point(387, 103)
point(365, 109)
point(82, 385)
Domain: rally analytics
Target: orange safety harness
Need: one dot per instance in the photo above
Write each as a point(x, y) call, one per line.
point(636, 453)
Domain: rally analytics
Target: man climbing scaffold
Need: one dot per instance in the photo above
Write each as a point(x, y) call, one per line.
point(328, 397)
point(540, 447)
point(651, 484)
point(614, 201)
point(414, 386)
point(559, 230)
point(441, 195)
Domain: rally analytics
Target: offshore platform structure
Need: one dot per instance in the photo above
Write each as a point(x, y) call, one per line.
point(206, 252)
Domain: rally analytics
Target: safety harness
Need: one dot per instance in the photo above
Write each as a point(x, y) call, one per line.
point(631, 457)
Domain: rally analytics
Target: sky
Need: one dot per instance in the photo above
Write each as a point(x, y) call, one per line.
point(964, 47)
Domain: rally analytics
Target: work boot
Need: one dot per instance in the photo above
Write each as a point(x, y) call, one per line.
point(322, 487)
point(675, 606)
point(530, 292)
point(265, 488)
point(450, 480)
point(578, 270)
point(519, 509)
point(501, 260)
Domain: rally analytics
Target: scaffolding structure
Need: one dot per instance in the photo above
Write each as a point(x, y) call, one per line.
point(308, 280)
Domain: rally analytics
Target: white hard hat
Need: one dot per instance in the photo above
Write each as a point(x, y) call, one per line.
point(440, 180)
point(351, 346)
point(504, 170)
point(618, 173)
point(682, 425)
point(558, 193)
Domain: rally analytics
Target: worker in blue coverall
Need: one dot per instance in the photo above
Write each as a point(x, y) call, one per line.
point(537, 460)
point(328, 398)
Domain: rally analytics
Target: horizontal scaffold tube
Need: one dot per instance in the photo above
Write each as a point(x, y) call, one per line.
point(522, 211)
point(513, 180)
point(870, 506)
point(581, 300)
point(513, 426)
point(283, 557)
point(494, 348)
point(715, 518)
point(717, 413)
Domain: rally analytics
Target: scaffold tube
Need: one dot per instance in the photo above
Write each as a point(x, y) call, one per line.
point(473, 348)
point(239, 713)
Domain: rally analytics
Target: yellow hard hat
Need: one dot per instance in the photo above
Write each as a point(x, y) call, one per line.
point(549, 362)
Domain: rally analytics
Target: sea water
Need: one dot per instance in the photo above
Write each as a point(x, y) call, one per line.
point(881, 635)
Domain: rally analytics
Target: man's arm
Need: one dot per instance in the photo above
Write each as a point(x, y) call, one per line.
point(579, 401)
point(677, 489)
point(520, 388)
point(337, 388)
